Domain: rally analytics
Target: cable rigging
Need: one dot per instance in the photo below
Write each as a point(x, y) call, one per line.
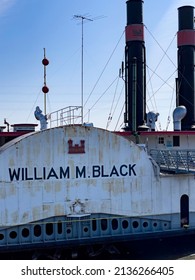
point(154, 72)
point(104, 69)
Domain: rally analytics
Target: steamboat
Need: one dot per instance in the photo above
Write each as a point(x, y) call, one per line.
point(74, 191)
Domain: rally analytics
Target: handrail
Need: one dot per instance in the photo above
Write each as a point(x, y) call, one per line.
point(66, 116)
point(178, 161)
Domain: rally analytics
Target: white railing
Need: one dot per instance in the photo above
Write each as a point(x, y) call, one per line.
point(66, 116)
point(178, 161)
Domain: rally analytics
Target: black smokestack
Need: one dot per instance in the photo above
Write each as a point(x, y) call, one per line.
point(186, 64)
point(135, 65)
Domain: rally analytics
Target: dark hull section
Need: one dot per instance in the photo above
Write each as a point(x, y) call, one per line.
point(155, 248)
point(93, 237)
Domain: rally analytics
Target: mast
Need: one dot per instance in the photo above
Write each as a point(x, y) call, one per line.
point(45, 89)
point(82, 18)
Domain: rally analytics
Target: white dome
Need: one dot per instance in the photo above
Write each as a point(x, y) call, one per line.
point(178, 114)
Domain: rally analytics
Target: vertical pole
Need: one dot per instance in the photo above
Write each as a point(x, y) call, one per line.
point(44, 84)
point(45, 89)
point(82, 18)
point(134, 94)
point(82, 73)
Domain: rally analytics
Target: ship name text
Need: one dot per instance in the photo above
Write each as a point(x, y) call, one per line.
point(94, 171)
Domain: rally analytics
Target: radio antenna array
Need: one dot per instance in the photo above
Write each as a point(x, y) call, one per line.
point(82, 19)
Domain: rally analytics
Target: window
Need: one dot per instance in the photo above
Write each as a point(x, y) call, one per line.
point(145, 224)
point(94, 225)
point(25, 232)
point(104, 224)
point(161, 140)
point(1, 236)
point(13, 234)
point(135, 224)
point(176, 141)
point(114, 224)
point(59, 227)
point(125, 224)
point(49, 228)
point(37, 230)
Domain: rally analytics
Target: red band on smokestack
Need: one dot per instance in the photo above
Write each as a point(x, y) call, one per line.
point(134, 32)
point(186, 37)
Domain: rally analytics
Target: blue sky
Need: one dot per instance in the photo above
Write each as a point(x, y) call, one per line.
point(28, 26)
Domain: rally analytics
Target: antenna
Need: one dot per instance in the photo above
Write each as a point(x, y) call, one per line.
point(82, 19)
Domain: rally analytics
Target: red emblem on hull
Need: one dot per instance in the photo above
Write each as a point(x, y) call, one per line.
point(76, 149)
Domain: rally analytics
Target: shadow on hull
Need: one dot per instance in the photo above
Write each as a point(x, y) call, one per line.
point(171, 248)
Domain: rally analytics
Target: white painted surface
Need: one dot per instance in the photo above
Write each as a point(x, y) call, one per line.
point(113, 176)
